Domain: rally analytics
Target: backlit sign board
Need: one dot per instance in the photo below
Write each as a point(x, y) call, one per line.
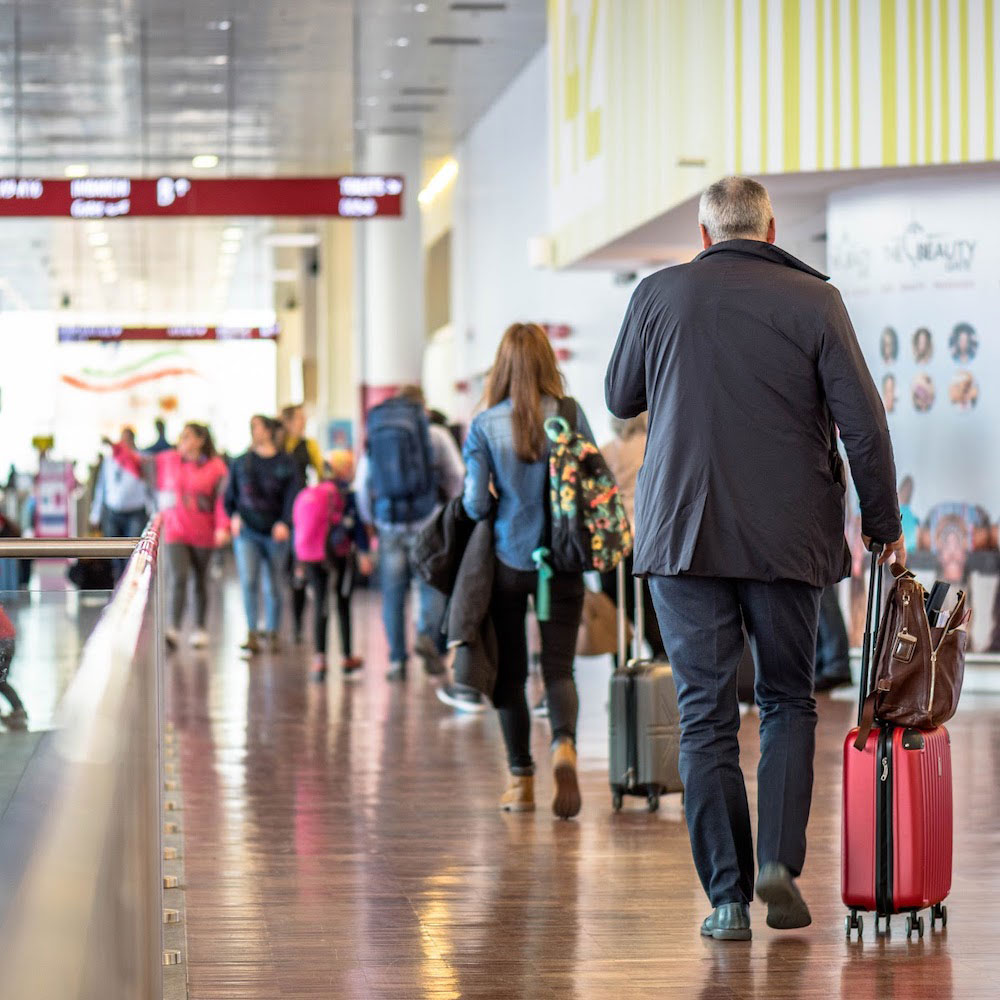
point(117, 334)
point(362, 196)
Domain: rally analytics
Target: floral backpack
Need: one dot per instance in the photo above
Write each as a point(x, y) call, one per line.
point(589, 526)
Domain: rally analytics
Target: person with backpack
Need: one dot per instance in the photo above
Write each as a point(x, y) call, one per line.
point(330, 537)
point(507, 477)
point(408, 465)
point(263, 485)
point(191, 480)
point(305, 453)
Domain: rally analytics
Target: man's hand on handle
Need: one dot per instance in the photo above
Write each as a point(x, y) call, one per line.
point(896, 548)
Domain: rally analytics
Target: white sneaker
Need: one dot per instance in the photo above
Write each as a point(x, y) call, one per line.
point(172, 636)
point(199, 639)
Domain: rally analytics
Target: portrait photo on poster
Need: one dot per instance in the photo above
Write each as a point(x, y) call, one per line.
point(964, 391)
point(889, 345)
point(963, 343)
point(923, 392)
point(889, 392)
point(923, 346)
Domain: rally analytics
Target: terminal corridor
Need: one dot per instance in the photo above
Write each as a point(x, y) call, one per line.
point(343, 841)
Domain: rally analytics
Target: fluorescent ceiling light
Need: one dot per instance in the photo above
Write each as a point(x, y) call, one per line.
point(401, 42)
point(232, 233)
point(98, 239)
point(292, 239)
point(420, 8)
point(386, 74)
point(439, 182)
point(77, 170)
point(219, 60)
point(205, 161)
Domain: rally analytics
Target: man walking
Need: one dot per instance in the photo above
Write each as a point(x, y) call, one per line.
point(409, 466)
point(745, 359)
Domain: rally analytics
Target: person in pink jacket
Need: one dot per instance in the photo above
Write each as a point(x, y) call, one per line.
point(191, 481)
point(331, 540)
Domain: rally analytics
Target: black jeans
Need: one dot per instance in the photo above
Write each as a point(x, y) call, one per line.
point(833, 652)
point(609, 584)
point(508, 608)
point(700, 618)
point(182, 560)
point(318, 578)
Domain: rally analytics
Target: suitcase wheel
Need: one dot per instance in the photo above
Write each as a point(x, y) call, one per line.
point(914, 923)
point(854, 919)
point(879, 931)
point(616, 800)
point(653, 801)
point(939, 912)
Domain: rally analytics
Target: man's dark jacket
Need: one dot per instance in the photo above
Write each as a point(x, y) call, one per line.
point(455, 555)
point(744, 358)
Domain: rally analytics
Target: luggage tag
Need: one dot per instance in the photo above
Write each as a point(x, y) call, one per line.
point(905, 645)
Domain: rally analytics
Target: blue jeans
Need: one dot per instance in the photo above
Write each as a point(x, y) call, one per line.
point(259, 557)
point(122, 524)
point(701, 622)
point(396, 573)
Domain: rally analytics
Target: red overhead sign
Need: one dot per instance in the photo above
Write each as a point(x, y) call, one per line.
point(361, 196)
point(114, 334)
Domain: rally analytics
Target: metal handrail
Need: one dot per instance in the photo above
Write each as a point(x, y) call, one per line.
point(86, 921)
point(67, 548)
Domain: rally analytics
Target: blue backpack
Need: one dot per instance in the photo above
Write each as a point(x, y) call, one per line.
point(401, 462)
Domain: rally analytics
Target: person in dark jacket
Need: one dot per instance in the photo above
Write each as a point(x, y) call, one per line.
point(506, 455)
point(263, 484)
point(745, 359)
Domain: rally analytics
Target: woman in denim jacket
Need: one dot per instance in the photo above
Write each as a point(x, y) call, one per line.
point(506, 455)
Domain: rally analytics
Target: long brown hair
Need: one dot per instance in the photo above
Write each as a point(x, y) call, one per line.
point(204, 436)
point(524, 371)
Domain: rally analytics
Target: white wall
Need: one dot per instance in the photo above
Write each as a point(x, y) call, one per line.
point(501, 200)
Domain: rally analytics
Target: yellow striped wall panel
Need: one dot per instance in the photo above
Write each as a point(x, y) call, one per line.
point(651, 99)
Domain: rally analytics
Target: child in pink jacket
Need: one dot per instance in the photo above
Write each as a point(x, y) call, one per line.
point(191, 481)
point(330, 538)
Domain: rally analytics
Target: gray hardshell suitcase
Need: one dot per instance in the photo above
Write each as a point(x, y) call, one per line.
point(645, 728)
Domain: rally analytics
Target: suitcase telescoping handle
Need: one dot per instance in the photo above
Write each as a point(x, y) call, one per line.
point(871, 625)
point(622, 619)
point(639, 630)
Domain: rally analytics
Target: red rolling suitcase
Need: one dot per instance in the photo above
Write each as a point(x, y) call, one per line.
point(897, 816)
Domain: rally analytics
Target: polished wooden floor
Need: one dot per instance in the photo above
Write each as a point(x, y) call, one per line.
point(343, 842)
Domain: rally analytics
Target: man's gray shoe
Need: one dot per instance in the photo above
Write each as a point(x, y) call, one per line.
point(729, 922)
point(425, 648)
point(786, 909)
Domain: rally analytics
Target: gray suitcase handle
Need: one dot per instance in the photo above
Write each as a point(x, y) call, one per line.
point(639, 625)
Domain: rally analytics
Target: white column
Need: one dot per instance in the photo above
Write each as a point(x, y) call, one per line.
point(393, 331)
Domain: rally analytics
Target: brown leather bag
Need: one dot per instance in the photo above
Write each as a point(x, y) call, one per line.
point(918, 668)
point(598, 626)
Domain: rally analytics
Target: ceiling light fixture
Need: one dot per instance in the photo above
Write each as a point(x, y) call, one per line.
point(439, 182)
point(420, 8)
point(205, 161)
point(232, 233)
point(76, 170)
point(98, 239)
point(386, 74)
point(218, 60)
point(401, 42)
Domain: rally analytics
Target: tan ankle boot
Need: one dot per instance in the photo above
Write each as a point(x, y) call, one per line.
point(567, 798)
point(520, 794)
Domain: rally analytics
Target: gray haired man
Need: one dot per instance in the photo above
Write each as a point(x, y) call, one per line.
point(745, 359)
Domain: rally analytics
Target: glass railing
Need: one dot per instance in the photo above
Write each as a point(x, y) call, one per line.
point(81, 881)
